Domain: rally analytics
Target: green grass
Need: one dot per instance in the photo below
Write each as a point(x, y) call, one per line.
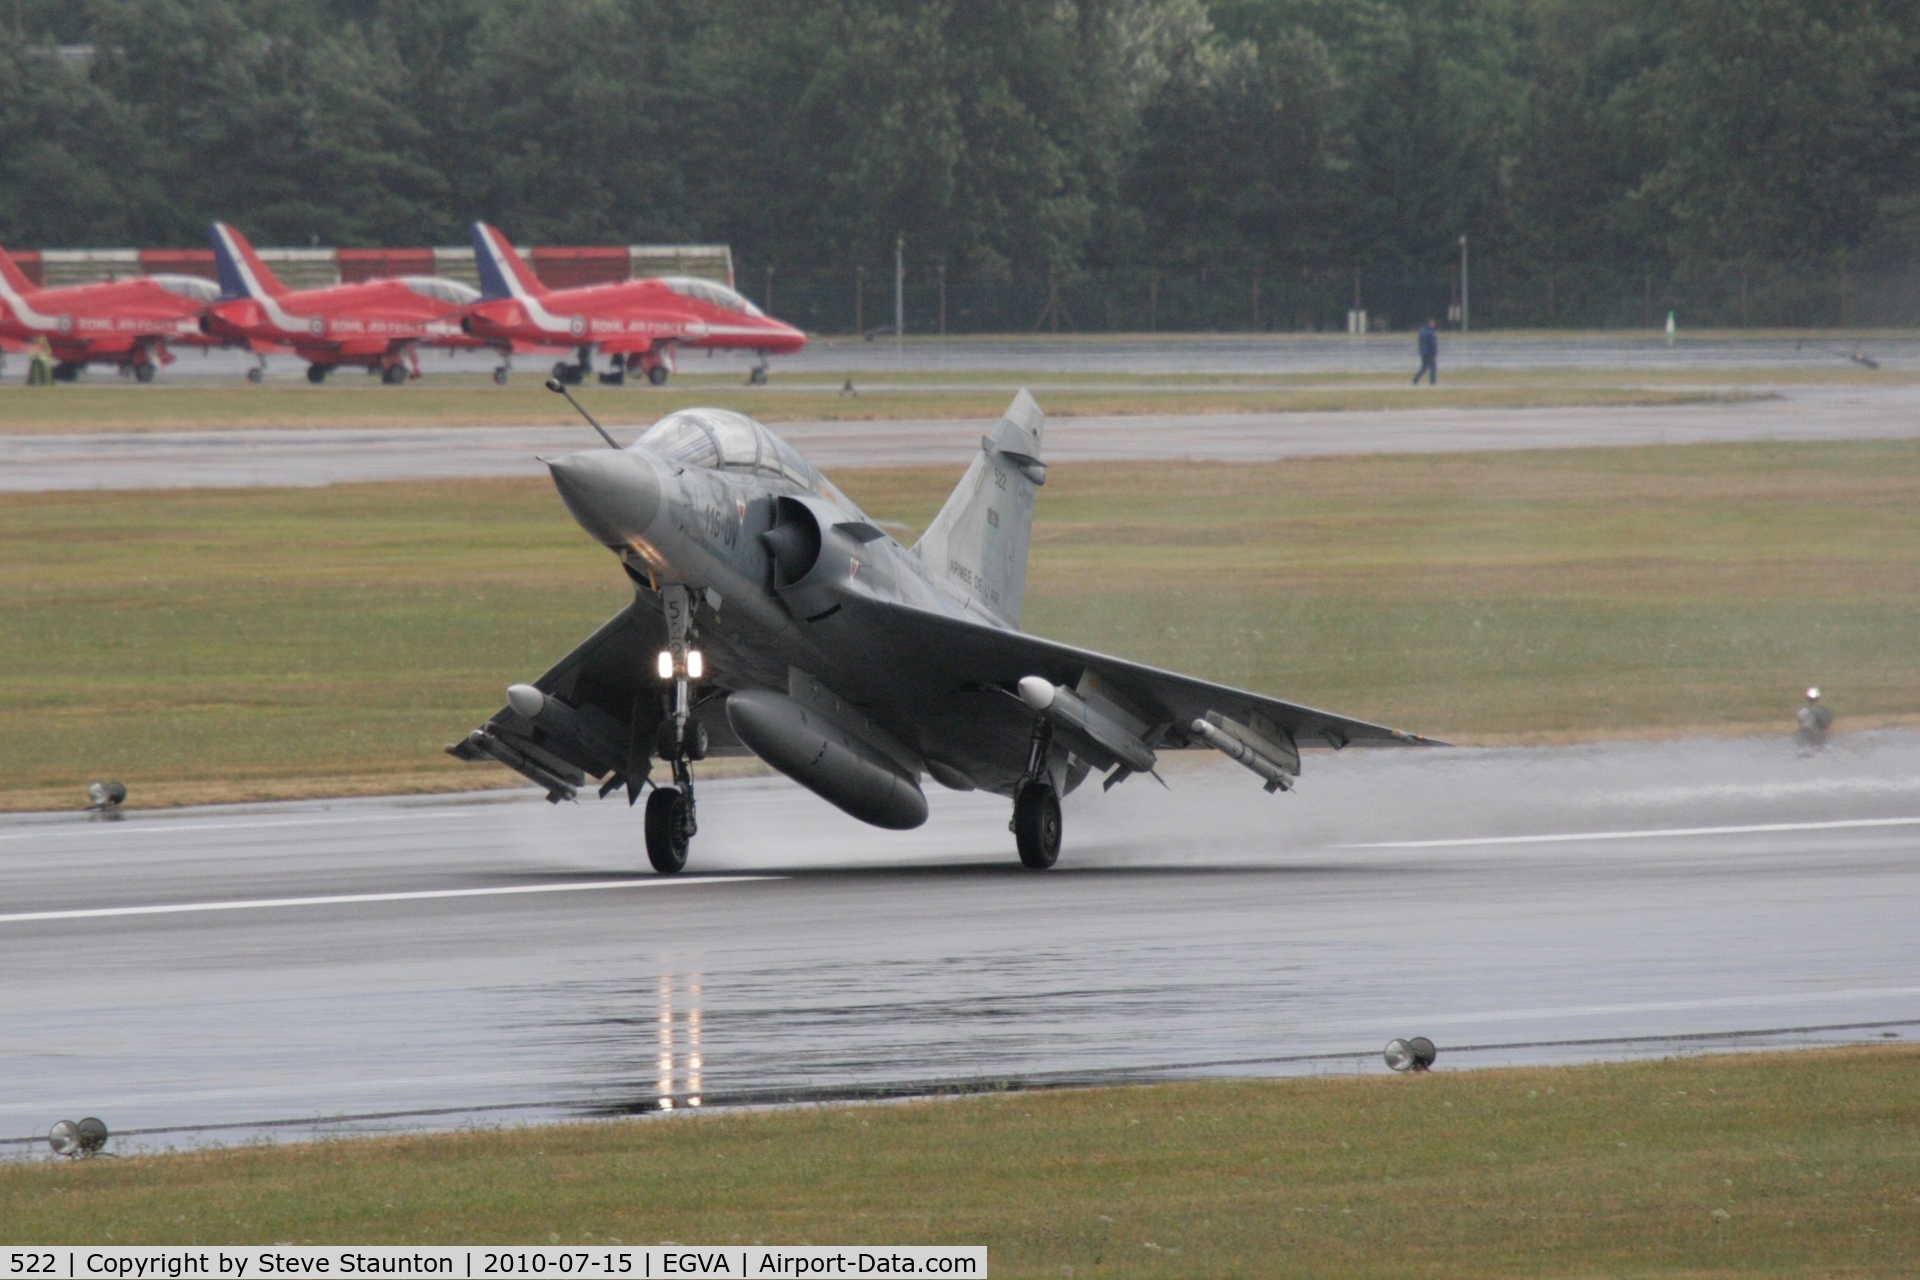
point(1537, 596)
point(229, 644)
point(1785, 1164)
point(471, 400)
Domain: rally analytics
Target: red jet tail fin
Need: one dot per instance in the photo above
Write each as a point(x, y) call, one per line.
point(16, 280)
point(242, 274)
point(503, 274)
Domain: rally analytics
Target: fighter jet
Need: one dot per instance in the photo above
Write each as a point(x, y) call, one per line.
point(772, 616)
point(373, 324)
point(640, 323)
point(128, 323)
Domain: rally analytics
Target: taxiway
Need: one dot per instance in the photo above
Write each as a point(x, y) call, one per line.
point(240, 458)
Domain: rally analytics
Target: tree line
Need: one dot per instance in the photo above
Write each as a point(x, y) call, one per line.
point(995, 136)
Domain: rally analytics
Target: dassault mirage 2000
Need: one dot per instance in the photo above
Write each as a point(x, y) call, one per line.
point(771, 616)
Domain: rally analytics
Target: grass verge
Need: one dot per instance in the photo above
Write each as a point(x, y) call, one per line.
point(261, 643)
point(1801, 1163)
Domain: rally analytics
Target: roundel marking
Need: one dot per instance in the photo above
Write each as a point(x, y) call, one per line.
point(316, 326)
point(578, 324)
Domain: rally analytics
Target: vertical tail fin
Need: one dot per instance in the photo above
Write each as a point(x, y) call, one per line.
point(17, 284)
point(502, 272)
point(978, 542)
point(242, 274)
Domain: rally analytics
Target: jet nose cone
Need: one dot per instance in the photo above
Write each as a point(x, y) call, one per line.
point(612, 494)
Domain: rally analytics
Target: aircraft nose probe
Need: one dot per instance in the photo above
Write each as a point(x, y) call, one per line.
point(554, 384)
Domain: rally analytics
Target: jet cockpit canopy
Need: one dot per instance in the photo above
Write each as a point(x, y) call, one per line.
point(194, 287)
point(451, 292)
point(722, 440)
point(709, 292)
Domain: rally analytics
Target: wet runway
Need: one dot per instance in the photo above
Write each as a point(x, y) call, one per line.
point(488, 958)
point(176, 459)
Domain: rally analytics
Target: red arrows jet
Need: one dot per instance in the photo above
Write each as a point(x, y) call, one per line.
point(128, 323)
point(639, 323)
point(376, 324)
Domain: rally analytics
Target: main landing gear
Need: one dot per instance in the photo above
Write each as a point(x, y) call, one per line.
point(671, 821)
point(317, 373)
point(1036, 806)
point(574, 374)
point(394, 374)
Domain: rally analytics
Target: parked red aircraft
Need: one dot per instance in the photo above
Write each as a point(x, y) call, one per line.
point(639, 323)
point(128, 323)
point(376, 324)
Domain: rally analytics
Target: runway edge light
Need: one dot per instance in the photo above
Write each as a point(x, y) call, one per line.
point(1417, 1054)
point(83, 1139)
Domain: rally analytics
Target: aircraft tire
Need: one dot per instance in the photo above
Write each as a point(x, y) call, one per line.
point(144, 371)
point(757, 376)
point(317, 373)
point(256, 375)
point(1036, 826)
point(667, 830)
point(570, 374)
point(500, 376)
point(66, 371)
point(394, 374)
point(658, 375)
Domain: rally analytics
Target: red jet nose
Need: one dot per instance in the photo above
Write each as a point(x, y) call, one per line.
point(489, 319)
point(230, 319)
point(784, 339)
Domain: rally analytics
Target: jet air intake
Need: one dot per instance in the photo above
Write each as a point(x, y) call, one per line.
point(818, 555)
point(826, 759)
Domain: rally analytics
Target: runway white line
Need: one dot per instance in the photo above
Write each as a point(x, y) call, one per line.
point(340, 899)
point(1783, 999)
point(166, 828)
point(1661, 833)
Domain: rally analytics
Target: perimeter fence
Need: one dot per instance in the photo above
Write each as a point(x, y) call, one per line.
point(1715, 295)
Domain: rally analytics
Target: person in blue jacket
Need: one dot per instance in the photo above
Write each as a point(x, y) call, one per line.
point(1429, 355)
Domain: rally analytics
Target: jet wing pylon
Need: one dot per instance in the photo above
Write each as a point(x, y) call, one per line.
point(946, 658)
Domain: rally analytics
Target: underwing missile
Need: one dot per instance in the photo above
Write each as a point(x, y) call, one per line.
point(1230, 745)
point(1071, 710)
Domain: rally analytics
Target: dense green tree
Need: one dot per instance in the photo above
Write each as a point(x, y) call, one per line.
point(1783, 124)
point(994, 135)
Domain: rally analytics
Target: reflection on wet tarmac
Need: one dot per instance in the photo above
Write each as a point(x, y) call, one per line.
point(681, 1051)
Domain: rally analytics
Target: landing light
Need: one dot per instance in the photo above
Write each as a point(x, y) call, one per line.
point(666, 665)
point(696, 665)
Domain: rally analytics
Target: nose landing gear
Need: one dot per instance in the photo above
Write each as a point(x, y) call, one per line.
point(671, 817)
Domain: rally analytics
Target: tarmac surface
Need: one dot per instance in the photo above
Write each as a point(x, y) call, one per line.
point(177, 459)
point(291, 970)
